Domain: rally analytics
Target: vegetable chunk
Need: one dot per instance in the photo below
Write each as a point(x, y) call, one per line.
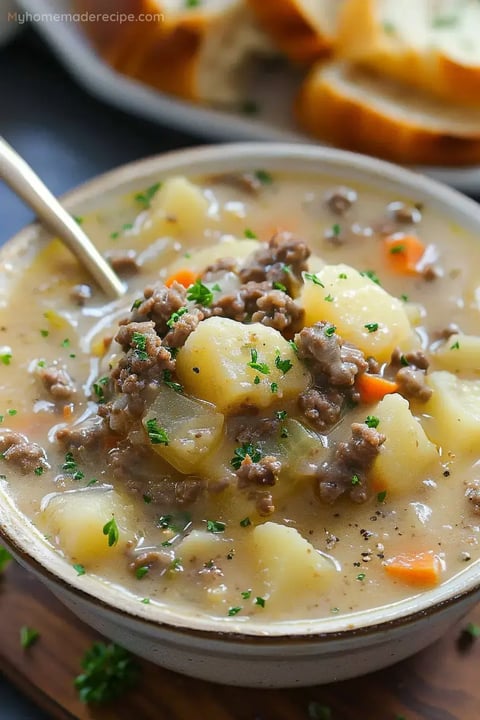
point(459, 353)
point(362, 311)
point(420, 570)
point(454, 411)
point(234, 365)
point(289, 565)
point(407, 454)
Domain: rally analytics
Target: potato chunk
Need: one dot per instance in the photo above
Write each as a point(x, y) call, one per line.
point(459, 353)
point(77, 519)
point(193, 429)
point(290, 567)
point(216, 365)
point(407, 454)
point(455, 412)
point(358, 305)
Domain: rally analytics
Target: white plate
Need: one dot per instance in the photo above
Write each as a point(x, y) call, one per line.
point(274, 89)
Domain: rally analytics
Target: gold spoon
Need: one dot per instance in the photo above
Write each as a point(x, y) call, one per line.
point(27, 185)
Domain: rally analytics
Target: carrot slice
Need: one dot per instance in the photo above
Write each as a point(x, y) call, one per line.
point(404, 253)
point(184, 277)
point(373, 388)
point(415, 569)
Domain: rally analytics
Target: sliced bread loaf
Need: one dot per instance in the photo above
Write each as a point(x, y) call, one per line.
point(361, 111)
point(430, 44)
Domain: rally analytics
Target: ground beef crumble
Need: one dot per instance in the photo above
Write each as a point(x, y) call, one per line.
point(57, 381)
point(158, 305)
point(27, 456)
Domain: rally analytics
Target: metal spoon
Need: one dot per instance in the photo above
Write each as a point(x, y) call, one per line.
point(25, 183)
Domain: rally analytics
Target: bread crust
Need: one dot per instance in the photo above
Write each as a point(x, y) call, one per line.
point(291, 30)
point(327, 111)
point(362, 39)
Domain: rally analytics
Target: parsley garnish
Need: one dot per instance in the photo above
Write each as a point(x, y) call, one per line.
point(361, 576)
point(136, 304)
point(281, 414)
point(176, 523)
point(39, 470)
point(253, 452)
point(294, 346)
point(5, 558)
point(140, 572)
point(233, 611)
point(279, 286)
point(404, 297)
point(249, 234)
point(283, 365)
point(264, 177)
point(403, 361)
point(146, 196)
point(372, 421)
point(192, 3)
point(260, 601)
point(99, 385)
point(397, 249)
point(286, 269)
point(284, 433)
point(174, 317)
point(256, 380)
point(381, 496)
point(70, 466)
point(329, 298)
point(12, 412)
point(215, 526)
point(79, 569)
point(336, 229)
point(255, 365)
point(28, 637)
point(473, 630)
point(246, 594)
point(245, 522)
point(372, 275)
point(318, 712)
point(65, 343)
point(371, 327)
point(157, 434)
point(455, 346)
point(6, 358)
point(313, 278)
point(200, 293)
point(108, 670)
point(216, 288)
point(274, 387)
point(145, 601)
point(342, 276)
point(330, 330)
point(111, 530)
point(355, 480)
point(167, 379)
point(78, 219)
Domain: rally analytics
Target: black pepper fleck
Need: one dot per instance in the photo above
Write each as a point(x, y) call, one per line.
point(196, 370)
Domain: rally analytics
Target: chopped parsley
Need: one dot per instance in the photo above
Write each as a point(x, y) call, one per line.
point(167, 379)
point(260, 601)
point(372, 421)
point(404, 297)
point(145, 601)
point(12, 412)
point(200, 293)
point(6, 358)
point(44, 333)
point(110, 529)
point(233, 611)
point(372, 275)
point(286, 269)
point(329, 298)
point(91, 482)
point(316, 711)
point(28, 637)
point(216, 288)
point(192, 3)
point(281, 414)
point(264, 177)
point(139, 343)
point(397, 249)
point(313, 278)
point(5, 558)
point(360, 577)
point(249, 234)
point(336, 230)
point(79, 569)
point(330, 330)
point(65, 343)
point(245, 522)
point(274, 387)
point(247, 449)
point(256, 380)
point(255, 365)
point(41, 363)
point(473, 630)
point(403, 361)
point(371, 327)
point(70, 466)
point(388, 27)
point(140, 572)
point(176, 523)
point(157, 434)
point(342, 276)
point(294, 346)
point(283, 365)
point(381, 496)
point(355, 480)
point(284, 433)
point(136, 304)
point(146, 196)
point(279, 286)
point(215, 526)
point(108, 670)
point(175, 317)
point(98, 387)
point(78, 219)
point(455, 346)
point(246, 594)
point(39, 470)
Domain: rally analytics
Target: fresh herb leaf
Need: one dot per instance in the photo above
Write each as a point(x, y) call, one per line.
point(260, 601)
point(216, 288)
point(110, 529)
point(445, 21)
point(108, 670)
point(70, 464)
point(141, 571)
point(136, 304)
point(246, 594)
point(397, 249)
point(371, 327)
point(279, 286)
point(39, 470)
point(79, 569)
point(404, 297)
point(284, 433)
point(233, 611)
point(28, 636)
point(44, 333)
point(6, 358)
point(247, 449)
point(313, 278)
point(12, 412)
point(258, 366)
point(250, 234)
point(200, 293)
point(5, 558)
point(355, 480)
point(192, 3)
point(342, 276)
point(372, 275)
point(98, 388)
point(360, 577)
point(145, 601)
point(215, 526)
point(283, 365)
point(329, 298)
point(264, 177)
point(381, 496)
point(91, 482)
point(78, 219)
point(256, 380)
point(147, 499)
point(473, 630)
point(174, 317)
point(146, 196)
point(167, 379)
point(65, 343)
point(294, 346)
point(330, 330)
point(455, 346)
point(286, 269)
point(372, 421)
point(316, 711)
point(157, 434)
point(245, 522)
point(281, 414)
point(274, 387)
point(336, 230)
point(176, 523)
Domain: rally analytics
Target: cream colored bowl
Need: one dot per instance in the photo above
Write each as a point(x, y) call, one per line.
point(277, 654)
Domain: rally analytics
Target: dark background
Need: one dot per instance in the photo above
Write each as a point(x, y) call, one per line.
point(67, 137)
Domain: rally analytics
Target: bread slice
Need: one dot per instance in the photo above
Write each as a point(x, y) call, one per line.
point(199, 50)
point(303, 29)
point(430, 44)
point(358, 110)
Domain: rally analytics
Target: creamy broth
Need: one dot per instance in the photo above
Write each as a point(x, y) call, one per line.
point(207, 553)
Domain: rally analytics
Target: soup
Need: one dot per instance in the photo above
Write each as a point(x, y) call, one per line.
point(280, 421)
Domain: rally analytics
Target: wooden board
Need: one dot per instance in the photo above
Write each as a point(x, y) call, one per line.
point(440, 683)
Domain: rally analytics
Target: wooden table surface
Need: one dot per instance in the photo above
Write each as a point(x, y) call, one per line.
point(441, 683)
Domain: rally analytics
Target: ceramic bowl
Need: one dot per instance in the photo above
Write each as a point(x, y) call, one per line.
point(277, 654)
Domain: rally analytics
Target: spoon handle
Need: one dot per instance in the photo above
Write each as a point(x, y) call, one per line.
point(27, 185)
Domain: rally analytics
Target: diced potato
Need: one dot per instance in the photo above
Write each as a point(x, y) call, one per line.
point(454, 411)
point(76, 518)
point(193, 428)
point(215, 364)
point(200, 546)
point(357, 302)
point(407, 454)
point(289, 566)
point(198, 260)
point(459, 353)
point(179, 207)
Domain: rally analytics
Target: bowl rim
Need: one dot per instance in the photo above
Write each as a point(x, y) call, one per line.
point(47, 562)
